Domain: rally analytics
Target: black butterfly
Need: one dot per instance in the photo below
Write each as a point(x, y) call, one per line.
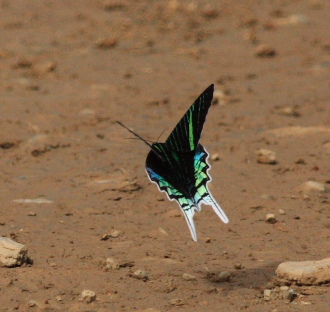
point(179, 166)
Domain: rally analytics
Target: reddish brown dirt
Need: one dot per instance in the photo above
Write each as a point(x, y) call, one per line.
point(69, 70)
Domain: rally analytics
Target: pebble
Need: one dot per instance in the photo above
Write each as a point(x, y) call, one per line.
point(238, 266)
point(176, 301)
point(281, 212)
point(31, 214)
point(32, 303)
point(289, 111)
point(291, 295)
point(12, 253)
point(265, 51)
point(139, 274)
point(188, 277)
point(305, 272)
point(218, 277)
point(313, 186)
point(112, 264)
point(215, 157)
point(267, 294)
point(113, 234)
point(88, 295)
point(266, 156)
point(107, 43)
point(220, 97)
point(271, 218)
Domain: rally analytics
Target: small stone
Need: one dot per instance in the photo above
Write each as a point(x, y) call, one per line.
point(139, 274)
point(266, 196)
point(176, 302)
point(220, 97)
point(238, 266)
point(267, 294)
point(208, 240)
point(58, 298)
point(88, 296)
point(106, 44)
point(188, 277)
point(313, 186)
point(215, 157)
point(265, 51)
point(218, 277)
point(111, 264)
point(32, 214)
point(284, 290)
point(291, 295)
point(115, 234)
point(305, 272)
point(300, 161)
point(45, 68)
point(266, 156)
point(271, 218)
point(210, 12)
point(281, 212)
point(32, 303)
point(289, 111)
point(162, 231)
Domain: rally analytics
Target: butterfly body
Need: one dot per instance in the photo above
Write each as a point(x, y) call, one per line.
point(179, 166)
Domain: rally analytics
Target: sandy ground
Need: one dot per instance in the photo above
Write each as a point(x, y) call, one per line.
point(69, 70)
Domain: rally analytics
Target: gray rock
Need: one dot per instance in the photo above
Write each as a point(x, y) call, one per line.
point(313, 186)
point(305, 272)
point(12, 253)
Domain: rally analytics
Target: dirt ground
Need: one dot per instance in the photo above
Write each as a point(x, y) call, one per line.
point(70, 69)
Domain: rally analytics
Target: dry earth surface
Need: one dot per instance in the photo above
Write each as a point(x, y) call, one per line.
point(70, 69)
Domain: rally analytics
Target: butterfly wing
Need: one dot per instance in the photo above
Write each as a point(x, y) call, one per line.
point(187, 132)
point(164, 172)
point(202, 178)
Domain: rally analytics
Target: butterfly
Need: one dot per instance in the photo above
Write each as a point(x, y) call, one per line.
point(179, 166)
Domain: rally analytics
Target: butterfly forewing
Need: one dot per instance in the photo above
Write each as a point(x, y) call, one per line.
point(187, 132)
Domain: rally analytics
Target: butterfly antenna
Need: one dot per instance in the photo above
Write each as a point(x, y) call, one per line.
point(160, 135)
point(139, 137)
point(142, 139)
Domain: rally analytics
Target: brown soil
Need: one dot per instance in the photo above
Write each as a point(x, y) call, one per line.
point(70, 69)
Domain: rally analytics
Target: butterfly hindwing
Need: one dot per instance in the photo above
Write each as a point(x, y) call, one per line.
point(165, 174)
point(187, 132)
point(186, 204)
point(203, 194)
